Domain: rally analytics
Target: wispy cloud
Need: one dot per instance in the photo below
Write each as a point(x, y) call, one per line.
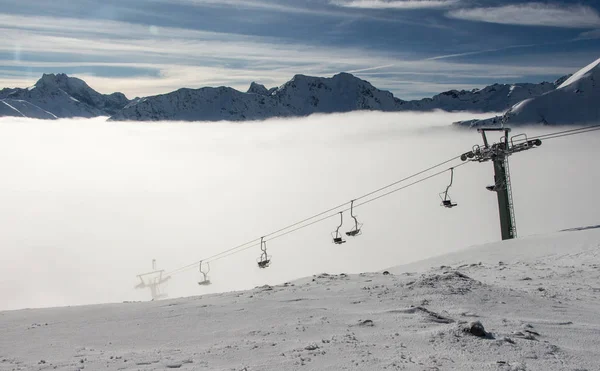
point(532, 14)
point(478, 52)
point(589, 35)
point(255, 4)
point(394, 4)
point(169, 58)
point(371, 68)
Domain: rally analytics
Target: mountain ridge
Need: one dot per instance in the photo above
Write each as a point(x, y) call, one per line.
point(61, 96)
point(575, 101)
point(304, 95)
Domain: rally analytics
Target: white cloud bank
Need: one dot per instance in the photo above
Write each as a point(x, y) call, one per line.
point(394, 4)
point(532, 14)
point(87, 204)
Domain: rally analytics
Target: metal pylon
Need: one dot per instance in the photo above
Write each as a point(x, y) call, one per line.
point(511, 206)
point(498, 154)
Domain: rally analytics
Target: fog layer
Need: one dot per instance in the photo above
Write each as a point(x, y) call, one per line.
point(85, 205)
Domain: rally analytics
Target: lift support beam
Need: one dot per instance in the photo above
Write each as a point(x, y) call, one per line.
point(498, 153)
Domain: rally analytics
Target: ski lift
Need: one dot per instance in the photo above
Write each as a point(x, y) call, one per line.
point(337, 237)
point(356, 230)
point(446, 202)
point(205, 281)
point(153, 280)
point(496, 187)
point(264, 260)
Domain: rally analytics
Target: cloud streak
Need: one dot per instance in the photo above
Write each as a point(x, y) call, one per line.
point(532, 14)
point(167, 58)
point(394, 4)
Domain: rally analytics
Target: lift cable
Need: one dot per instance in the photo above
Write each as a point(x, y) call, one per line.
point(256, 241)
point(563, 133)
point(284, 231)
point(287, 229)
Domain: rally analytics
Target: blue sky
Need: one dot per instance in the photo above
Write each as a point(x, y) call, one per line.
point(414, 48)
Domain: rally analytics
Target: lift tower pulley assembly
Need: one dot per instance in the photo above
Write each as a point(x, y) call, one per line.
point(498, 153)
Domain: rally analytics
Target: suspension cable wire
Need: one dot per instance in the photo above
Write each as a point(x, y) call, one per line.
point(345, 210)
point(215, 257)
point(408, 185)
point(254, 243)
point(558, 134)
point(572, 133)
point(405, 179)
point(585, 128)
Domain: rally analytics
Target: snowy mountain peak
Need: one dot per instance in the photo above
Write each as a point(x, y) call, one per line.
point(58, 96)
point(256, 88)
point(64, 82)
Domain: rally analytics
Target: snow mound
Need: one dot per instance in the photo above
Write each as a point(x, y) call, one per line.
point(525, 304)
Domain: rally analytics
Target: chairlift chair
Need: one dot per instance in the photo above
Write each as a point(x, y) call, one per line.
point(446, 201)
point(357, 229)
point(264, 260)
point(337, 237)
point(205, 281)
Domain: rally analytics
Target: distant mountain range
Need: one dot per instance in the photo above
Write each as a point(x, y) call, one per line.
point(61, 96)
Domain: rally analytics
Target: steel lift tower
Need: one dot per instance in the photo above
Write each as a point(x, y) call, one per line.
point(498, 153)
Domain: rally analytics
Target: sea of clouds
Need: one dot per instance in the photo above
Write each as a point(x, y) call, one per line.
point(85, 205)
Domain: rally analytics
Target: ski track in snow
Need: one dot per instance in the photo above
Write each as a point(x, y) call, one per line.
point(538, 299)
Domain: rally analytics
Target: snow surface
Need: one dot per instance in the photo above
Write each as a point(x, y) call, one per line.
point(538, 299)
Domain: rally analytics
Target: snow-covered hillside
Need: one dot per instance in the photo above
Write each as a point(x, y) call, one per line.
point(526, 304)
point(575, 102)
point(61, 96)
point(493, 98)
point(305, 95)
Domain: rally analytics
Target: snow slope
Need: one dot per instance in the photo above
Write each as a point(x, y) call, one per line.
point(575, 102)
point(538, 299)
point(61, 96)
